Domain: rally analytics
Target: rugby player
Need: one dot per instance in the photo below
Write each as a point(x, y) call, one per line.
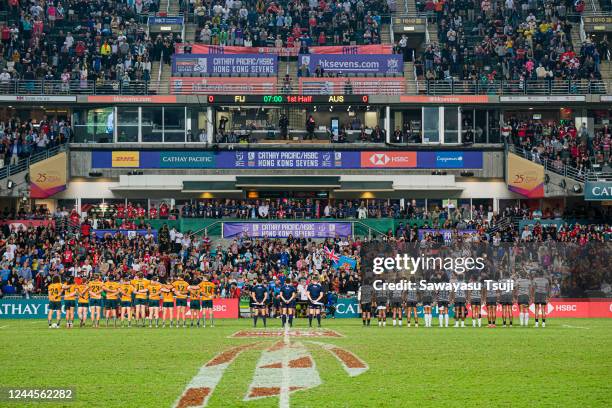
point(541, 291)
point(154, 297)
point(55, 300)
point(506, 298)
point(259, 295)
point(523, 291)
point(70, 294)
point(411, 306)
point(195, 302)
point(396, 305)
point(126, 289)
point(83, 293)
point(95, 299)
point(287, 300)
point(427, 299)
point(365, 297)
point(443, 297)
point(207, 293)
point(111, 288)
point(491, 298)
point(459, 301)
point(167, 292)
point(141, 288)
point(382, 298)
point(180, 290)
point(315, 294)
point(475, 298)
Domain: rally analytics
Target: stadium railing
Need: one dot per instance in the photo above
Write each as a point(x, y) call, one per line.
point(549, 165)
point(25, 163)
point(370, 86)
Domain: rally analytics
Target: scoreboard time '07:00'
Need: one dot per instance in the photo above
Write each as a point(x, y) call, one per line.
point(288, 99)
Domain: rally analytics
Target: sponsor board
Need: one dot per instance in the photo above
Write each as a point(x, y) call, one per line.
point(598, 190)
point(285, 52)
point(100, 233)
point(39, 308)
point(166, 20)
point(445, 99)
point(286, 229)
point(234, 64)
point(130, 99)
point(36, 98)
point(549, 98)
point(49, 176)
point(524, 176)
point(25, 224)
point(353, 64)
point(295, 159)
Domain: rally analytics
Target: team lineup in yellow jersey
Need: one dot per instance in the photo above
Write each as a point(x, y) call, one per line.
point(126, 300)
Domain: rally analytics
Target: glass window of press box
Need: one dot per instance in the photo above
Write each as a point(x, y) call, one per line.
point(137, 124)
point(445, 125)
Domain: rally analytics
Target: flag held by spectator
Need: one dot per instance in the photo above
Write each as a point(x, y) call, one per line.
point(345, 261)
point(331, 255)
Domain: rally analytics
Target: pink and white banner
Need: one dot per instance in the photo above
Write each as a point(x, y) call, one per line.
point(284, 51)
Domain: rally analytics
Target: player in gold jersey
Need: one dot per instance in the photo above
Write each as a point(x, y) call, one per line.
point(167, 292)
point(207, 290)
point(95, 299)
point(126, 289)
point(141, 288)
point(180, 290)
point(195, 304)
point(154, 298)
point(111, 287)
point(83, 293)
point(69, 300)
point(55, 301)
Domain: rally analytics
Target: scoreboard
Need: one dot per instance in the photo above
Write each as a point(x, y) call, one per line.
point(289, 99)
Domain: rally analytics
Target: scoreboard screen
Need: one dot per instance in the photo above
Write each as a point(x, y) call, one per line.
point(289, 99)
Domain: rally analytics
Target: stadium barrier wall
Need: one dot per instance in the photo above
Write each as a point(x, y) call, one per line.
point(38, 308)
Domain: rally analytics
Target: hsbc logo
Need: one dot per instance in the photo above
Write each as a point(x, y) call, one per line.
point(379, 159)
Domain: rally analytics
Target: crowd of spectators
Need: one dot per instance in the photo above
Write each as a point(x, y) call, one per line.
point(265, 23)
point(21, 138)
point(510, 40)
point(30, 256)
point(561, 143)
point(77, 43)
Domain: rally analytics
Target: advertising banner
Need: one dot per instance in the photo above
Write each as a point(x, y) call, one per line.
point(284, 229)
point(598, 190)
point(354, 64)
point(166, 20)
point(365, 86)
point(286, 52)
point(295, 159)
point(249, 64)
point(223, 86)
point(100, 233)
point(446, 233)
point(525, 177)
point(347, 307)
point(49, 176)
point(288, 159)
point(19, 308)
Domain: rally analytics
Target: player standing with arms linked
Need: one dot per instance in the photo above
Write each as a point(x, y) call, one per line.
point(459, 301)
point(475, 298)
point(382, 298)
point(55, 300)
point(207, 294)
point(287, 300)
point(259, 295)
point(314, 292)
point(541, 289)
point(396, 305)
point(411, 306)
point(365, 296)
point(427, 301)
point(523, 290)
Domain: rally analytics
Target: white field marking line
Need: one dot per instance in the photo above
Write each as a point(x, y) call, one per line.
point(567, 326)
point(283, 398)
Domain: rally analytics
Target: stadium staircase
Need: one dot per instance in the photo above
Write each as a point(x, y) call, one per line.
point(385, 34)
point(173, 8)
point(410, 77)
point(287, 68)
point(410, 6)
point(190, 32)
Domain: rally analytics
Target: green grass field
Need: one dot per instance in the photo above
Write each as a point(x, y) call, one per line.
point(567, 364)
